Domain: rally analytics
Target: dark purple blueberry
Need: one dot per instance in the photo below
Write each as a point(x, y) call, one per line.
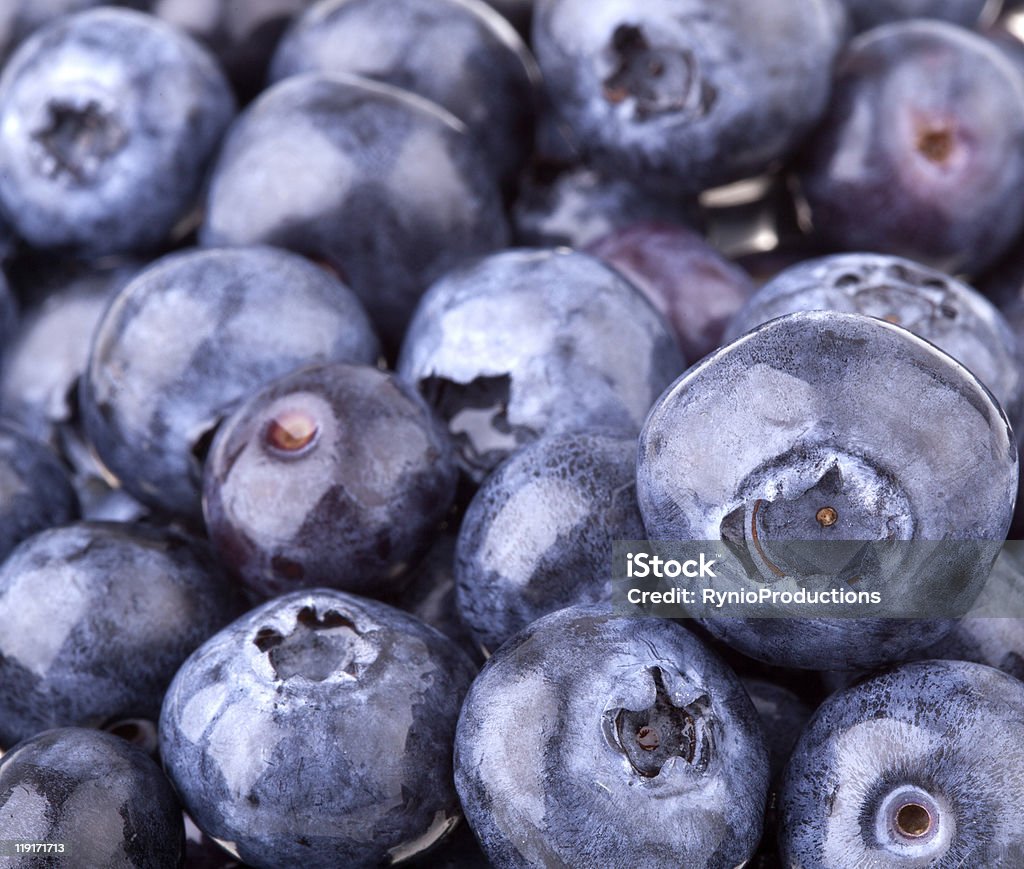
point(48, 351)
point(595, 740)
point(945, 311)
point(918, 767)
point(8, 308)
point(538, 534)
point(686, 279)
point(35, 490)
point(241, 35)
point(530, 342)
point(487, 80)
point(806, 447)
point(689, 93)
point(865, 14)
point(98, 617)
point(579, 205)
point(922, 150)
point(105, 801)
point(317, 731)
point(191, 336)
point(385, 187)
point(336, 475)
point(108, 120)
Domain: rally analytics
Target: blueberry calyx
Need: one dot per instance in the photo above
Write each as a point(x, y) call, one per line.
point(291, 433)
point(317, 648)
point(911, 821)
point(936, 144)
point(77, 138)
point(649, 737)
point(659, 81)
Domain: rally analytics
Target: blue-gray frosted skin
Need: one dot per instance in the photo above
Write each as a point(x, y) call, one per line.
point(35, 490)
point(386, 187)
point(865, 14)
point(350, 499)
point(921, 151)
point(918, 767)
point(933, 305)
point(317, 731)
point(108, 120)
point(192, 336)
point(548, 758)
point(105, 800)
point(98, 617)
point(487, 79)
point(689, 93)
point(538, 534)
point(818, 409)
point(241, 35)
point(49, 349)
point(525, 343)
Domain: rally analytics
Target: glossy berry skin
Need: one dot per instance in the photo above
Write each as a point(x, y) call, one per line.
point(692, 284)
point(487, 79)
point(531, 342)
point(387, 188)
point(550, 757)
point(924, 133)
point(690, 93)
point(917, 767)
point(35, 489)
point(936, 307)
point(538, 534)
point(49, 350)
point(242, 36)
point(865, 14)
point(316, 731)
point(99, 617)
point(109, 119)
point(106, 800)
point(832, 410)
point(336, 475)
point(187, 340)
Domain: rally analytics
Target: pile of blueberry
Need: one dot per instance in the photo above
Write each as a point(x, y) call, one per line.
point(341, 341)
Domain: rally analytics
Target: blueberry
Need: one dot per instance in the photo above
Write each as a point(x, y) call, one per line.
point(925, 134)
point(20, 18)
point(865, 14)
point(824, 426)
point(595, 740)
point(538, 534)
point(690, 282)
point(48, 351)
point(103, 799)
point(242, 36)
point(531, 342)
point(108, 119)
point(35, 490)
point(316, 731)
point(98, 617)
point(336, 475)
point(918, 767)
point(487, 79)
point(939, 308)
point(690, 93)
point(191, 336)
point(385, 187)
